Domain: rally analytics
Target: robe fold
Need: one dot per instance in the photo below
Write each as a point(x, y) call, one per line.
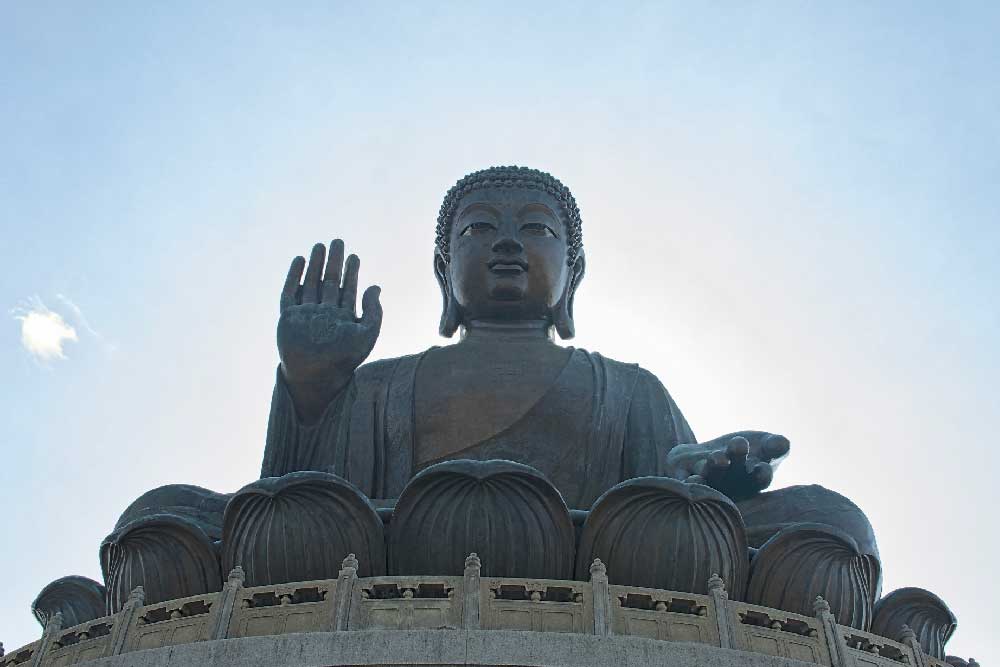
point(601, 422)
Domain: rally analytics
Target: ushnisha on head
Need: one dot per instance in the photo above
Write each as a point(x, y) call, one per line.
point(509, 248)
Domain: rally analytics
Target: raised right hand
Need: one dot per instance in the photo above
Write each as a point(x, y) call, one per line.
point(320, 339)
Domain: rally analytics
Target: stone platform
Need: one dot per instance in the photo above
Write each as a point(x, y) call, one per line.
point(458, 620)
point(440, 647)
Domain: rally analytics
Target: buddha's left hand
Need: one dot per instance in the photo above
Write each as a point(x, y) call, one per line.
point(739, 465)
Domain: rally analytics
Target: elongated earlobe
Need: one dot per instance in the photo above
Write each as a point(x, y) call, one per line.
point(562, 312)
point(451, 314)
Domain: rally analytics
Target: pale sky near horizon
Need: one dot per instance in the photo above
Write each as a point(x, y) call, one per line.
point(790, 216)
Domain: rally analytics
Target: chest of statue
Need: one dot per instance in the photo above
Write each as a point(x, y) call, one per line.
point(470, 395)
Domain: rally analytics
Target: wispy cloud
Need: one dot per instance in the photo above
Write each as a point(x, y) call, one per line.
point(43, 332)
point(81, 323)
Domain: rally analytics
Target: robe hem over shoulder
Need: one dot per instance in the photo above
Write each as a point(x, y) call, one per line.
point(367, 434)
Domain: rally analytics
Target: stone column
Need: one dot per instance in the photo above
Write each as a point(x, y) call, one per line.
point(345, 592)
point(52, 629)
point(222, 611)
point(910, 641)
point(720, 605)
point(471, 599)
point(602, 598)
point(835, 642)
point(126, 619)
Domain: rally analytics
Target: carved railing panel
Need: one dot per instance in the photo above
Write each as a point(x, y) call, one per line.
point(657, 614)
point(779, 633)
point(540, 605)
point(304, 606)
point(86, 641)
point(183, 621)
point(871, 650)
point(407, 603)
point(471, 601)
point(21, 656)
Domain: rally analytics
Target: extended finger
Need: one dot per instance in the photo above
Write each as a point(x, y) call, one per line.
point(331, 277)
point(349, 293)
point(715, 467)
point(291, 287)
point(737, 450)
point(310, 287)
point(371, 308)
point(718, 460)
point(762, 475)
point(695, 479)
point(775, 447)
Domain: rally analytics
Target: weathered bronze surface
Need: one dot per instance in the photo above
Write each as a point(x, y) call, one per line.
point(78, 599)
point(921, 611)
point(509, 260)
point(504, 443)
point(662, 533)
point(298, 527)
point(506, 509)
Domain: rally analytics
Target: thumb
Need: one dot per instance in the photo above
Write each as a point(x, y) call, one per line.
point(371, 308)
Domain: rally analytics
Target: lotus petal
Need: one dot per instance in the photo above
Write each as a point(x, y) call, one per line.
point(78, 599)
point(662, 533)
point(299, 527)
point(803, 561)
point(506, 512)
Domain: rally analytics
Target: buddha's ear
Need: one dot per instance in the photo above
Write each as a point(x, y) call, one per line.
point(562, 312)
point(451, 316)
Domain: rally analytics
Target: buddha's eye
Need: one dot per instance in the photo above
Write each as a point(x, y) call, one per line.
point(477, 228)
point(537, 229)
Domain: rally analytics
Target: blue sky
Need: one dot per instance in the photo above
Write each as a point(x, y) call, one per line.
point(789, 216)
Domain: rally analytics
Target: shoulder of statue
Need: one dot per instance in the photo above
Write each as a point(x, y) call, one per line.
point(382, 370)
point(629, 376)
point(621, 368)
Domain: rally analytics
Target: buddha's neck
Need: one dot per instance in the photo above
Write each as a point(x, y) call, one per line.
point(501, 331)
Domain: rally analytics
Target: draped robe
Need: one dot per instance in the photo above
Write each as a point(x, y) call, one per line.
point(599, 423)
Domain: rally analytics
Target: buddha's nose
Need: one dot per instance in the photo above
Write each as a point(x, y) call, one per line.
point(506, 243)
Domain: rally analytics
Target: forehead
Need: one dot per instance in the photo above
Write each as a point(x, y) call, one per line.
point(509, 200)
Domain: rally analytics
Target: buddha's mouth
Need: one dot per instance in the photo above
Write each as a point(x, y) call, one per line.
point(508, 266)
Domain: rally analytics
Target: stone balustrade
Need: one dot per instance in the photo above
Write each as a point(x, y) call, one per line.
point(468, 602)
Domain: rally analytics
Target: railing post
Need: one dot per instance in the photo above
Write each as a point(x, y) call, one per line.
point(835, 642)
point(602, 598)
point(909, 638)
point(471, 599)
point(52, 629)
point(225, 604)
point(345, 592)
point(126, 619)
point(720, 605)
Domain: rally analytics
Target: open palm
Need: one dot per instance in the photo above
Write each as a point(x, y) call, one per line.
point(321, 340)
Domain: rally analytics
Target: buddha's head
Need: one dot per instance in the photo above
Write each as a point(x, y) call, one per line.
point(509, 248)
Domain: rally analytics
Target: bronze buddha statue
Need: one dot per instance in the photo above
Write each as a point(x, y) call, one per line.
point(537, 456)
point(509, 259)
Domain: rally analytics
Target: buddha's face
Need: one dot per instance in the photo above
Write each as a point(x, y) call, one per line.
point(508, 254)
